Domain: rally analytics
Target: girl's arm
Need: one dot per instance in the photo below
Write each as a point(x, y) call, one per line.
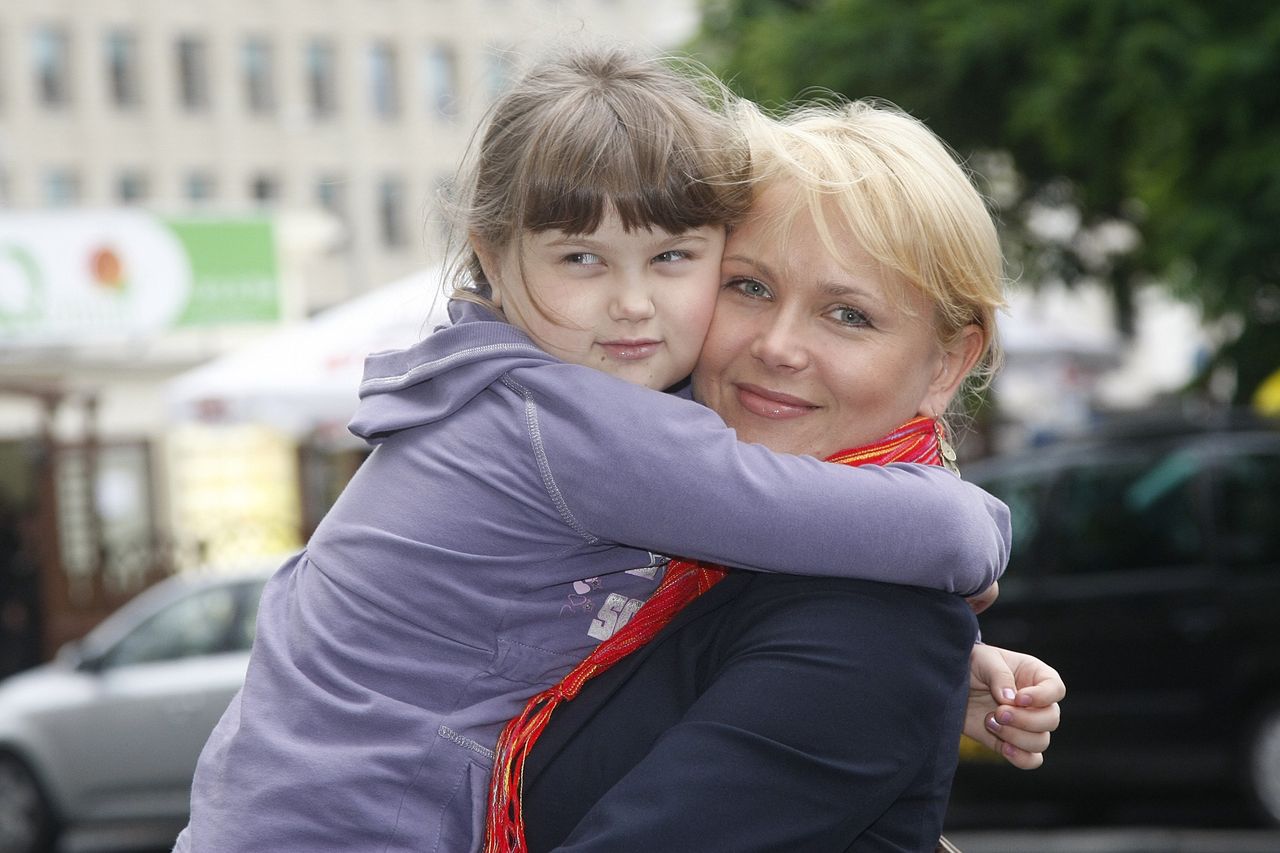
point(631, 466)
point(1013, 704)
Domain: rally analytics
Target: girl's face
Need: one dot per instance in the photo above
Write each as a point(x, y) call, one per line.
point(633, 304)
point(808, 355)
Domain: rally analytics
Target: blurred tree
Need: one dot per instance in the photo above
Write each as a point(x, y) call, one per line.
point(1150, 127)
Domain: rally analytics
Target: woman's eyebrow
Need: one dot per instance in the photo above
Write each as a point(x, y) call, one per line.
point(759, 266)
point(837, 288)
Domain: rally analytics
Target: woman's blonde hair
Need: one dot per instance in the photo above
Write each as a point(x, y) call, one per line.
point(901, 193)
point(592, 130)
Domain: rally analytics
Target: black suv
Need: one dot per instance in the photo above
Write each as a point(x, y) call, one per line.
point(1146, 568)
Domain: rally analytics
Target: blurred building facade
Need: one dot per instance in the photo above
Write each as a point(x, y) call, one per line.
point(357, 107)
point(323, 130)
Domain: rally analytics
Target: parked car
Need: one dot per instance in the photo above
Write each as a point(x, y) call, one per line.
point(106, 736)
point(1146, 569)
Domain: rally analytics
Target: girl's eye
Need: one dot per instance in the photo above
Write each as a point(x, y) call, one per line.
point(846, 316)
point(673, 255)
point(584, 258)
point(750, 287)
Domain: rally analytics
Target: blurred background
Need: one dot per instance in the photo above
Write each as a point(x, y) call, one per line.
point(211, 212)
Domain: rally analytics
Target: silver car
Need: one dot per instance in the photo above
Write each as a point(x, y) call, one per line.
point(101, 743)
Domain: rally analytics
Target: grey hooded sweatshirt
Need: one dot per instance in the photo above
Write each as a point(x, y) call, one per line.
point(510, 517)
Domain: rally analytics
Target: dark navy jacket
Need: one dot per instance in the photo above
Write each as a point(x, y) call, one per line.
point(775, 713)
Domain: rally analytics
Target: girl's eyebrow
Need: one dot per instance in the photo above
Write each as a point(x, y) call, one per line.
point(587, 241)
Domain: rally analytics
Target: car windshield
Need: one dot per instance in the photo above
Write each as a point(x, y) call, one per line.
point(207, 621)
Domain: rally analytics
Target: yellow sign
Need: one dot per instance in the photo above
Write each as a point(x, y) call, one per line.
point(1266, 400)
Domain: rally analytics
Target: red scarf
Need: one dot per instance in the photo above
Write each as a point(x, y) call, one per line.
point(915, 441)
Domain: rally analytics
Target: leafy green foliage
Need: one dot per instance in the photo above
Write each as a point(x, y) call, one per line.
point(1164, 114)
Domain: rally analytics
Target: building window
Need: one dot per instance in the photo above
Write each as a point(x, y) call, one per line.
point(199, 188)
point(440, 80)
point(384, 80)
point(331, 195)
point(52, 51)
point(265, 189)
point(322, 78)
point(122, 69)
point(132, 187)
point(391, 212)
point(259, 75)
point(61, 188)
point(104, 514)
point(193, 73)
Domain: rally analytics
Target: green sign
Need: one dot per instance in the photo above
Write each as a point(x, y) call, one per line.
point(234, 275)
point(88, 276)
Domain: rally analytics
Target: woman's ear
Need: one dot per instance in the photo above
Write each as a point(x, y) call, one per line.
point(957, 359)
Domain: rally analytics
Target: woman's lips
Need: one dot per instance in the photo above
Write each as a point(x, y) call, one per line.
point(630, 350)
point(771, 404)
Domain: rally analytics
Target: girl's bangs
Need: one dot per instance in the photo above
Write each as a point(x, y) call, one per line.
point(580, 208)
point(665, 184)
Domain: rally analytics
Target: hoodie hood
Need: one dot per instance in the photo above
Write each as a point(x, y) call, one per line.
point(437, 376)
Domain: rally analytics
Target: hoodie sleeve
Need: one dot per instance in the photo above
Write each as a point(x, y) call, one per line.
point(631, 466)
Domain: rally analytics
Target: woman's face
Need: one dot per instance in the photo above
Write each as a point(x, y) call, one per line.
point(810, 356)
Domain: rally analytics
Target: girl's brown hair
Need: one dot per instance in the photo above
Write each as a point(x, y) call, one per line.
point(589, 131)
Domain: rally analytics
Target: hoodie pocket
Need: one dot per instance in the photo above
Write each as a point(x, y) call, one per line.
point(462, 822)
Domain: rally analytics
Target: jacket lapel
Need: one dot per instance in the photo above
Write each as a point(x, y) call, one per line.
point(553, 739)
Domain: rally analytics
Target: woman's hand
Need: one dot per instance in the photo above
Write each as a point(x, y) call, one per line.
point(1013, 704)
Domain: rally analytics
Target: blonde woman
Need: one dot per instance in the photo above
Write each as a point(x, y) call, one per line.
point(800, 714)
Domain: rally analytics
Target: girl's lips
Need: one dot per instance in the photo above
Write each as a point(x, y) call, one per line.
point(771, 404)
point(630, 350)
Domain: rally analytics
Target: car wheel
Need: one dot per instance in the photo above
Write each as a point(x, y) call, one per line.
point(26, 823)
point(1264, 764)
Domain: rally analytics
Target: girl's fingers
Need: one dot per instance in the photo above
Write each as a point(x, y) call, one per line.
point(1021, 748)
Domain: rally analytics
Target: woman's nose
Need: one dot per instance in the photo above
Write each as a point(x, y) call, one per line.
point(780, 344)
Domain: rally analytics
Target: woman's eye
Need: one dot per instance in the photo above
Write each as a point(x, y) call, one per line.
point(847, 316)
point(583, 258)
point(750, 287)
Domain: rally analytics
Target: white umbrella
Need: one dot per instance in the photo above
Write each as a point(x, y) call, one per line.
point(305, 376)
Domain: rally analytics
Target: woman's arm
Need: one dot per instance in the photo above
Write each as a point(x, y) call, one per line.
point(801, 715)
point(657, 472)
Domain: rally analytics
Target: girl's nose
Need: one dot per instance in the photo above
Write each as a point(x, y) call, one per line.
point(633, 301)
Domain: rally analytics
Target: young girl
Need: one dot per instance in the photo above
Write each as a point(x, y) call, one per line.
point(513, 512)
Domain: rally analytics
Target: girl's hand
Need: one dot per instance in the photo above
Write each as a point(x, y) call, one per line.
point(1013, 704)
point(983, 600)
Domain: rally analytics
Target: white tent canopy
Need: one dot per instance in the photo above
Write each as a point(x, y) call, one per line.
point(304, 377)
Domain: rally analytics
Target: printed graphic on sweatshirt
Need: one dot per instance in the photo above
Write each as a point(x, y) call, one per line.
point(616, 612)
point(617, 609)
point(579, 601)
point(656, 561)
